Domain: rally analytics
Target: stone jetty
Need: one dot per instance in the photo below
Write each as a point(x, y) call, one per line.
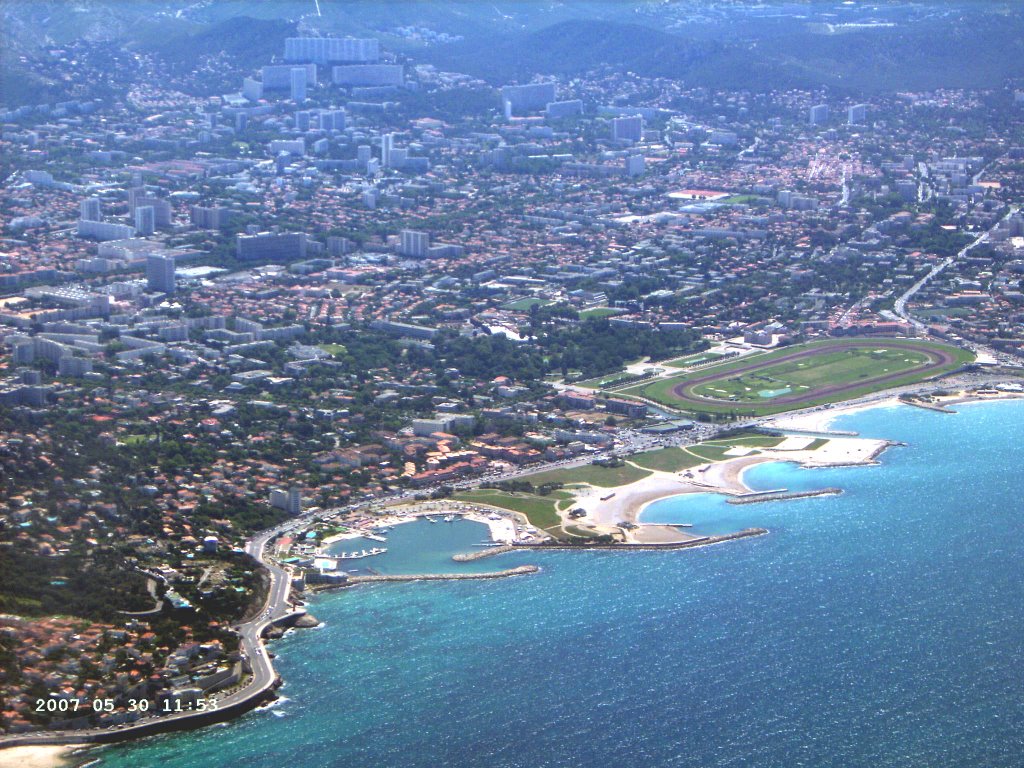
point(488, 552)
point(757, 498)
point(379, 577)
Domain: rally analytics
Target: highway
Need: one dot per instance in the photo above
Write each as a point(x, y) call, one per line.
point(900, 308)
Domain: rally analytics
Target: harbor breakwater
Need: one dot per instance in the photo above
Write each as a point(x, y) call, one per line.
point(758, 498)
point(520, 570)
point(697, 541)
point(469, 557)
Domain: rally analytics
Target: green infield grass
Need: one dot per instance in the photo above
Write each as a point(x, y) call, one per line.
point(803, 375)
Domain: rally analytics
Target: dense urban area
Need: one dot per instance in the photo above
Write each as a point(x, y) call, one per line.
point(319, 272)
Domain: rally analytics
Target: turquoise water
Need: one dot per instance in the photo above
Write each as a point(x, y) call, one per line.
point(882, 627)
point(422, 547)
point(711, 514)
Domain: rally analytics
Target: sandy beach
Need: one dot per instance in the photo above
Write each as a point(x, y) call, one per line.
point(38, 756)
point(613, 506)
point(609, 508)
point(727, 476)
point(820, 420)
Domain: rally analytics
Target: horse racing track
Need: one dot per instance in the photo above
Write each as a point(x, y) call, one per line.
point(804, 375)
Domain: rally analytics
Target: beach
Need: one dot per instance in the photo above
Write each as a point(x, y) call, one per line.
point(619, 510)
point(625, 504)
point(820, 419)
point(724, 477)
point(38, 756)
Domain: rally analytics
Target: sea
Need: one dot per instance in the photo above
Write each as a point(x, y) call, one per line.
point(880, 627)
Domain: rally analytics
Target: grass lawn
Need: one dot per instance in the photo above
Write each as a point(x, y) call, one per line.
point(751, 441)
point(522, 305)
point(599, 312)
point(666, 459)
point(334, 350)
point(608, 380)
point(592, 474)
point(738, 199)
point(539, 510)
point(659, 390)
point(710, 452)
point(816, 444)
point(134, 439)
point(825, 369)
point(584, 533)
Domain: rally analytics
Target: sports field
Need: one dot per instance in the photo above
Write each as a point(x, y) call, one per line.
point(807, 374)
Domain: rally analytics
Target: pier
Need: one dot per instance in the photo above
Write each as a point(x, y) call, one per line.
point(757, 498)
point(826, 433)
point(748, 494)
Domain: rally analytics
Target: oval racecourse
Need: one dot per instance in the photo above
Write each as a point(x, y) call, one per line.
point(805, 375)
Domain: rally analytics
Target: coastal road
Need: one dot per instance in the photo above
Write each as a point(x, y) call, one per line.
point(262, 681)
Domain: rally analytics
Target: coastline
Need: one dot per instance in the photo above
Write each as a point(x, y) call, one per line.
point(693, 542)
point(820, 419)
point(723, 477)
point(726, 477)
point(41, 756)
point(842, 450)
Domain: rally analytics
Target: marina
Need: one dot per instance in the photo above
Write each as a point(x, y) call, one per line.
point(325, 562)
point(421, 546)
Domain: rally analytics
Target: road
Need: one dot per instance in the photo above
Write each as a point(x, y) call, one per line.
point(263, 678)
point(900, 307)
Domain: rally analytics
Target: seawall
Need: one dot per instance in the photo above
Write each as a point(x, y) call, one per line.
point(758, 498)
point(488, 552)
point(390, 577)
point(700, 541)
point(150, 726)
point(928, 406)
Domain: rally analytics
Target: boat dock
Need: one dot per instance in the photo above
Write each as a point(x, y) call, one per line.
point(696, 541)
point(355, 555)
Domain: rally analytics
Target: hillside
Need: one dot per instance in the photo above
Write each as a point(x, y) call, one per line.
point(247, 42)
point(907, 56)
